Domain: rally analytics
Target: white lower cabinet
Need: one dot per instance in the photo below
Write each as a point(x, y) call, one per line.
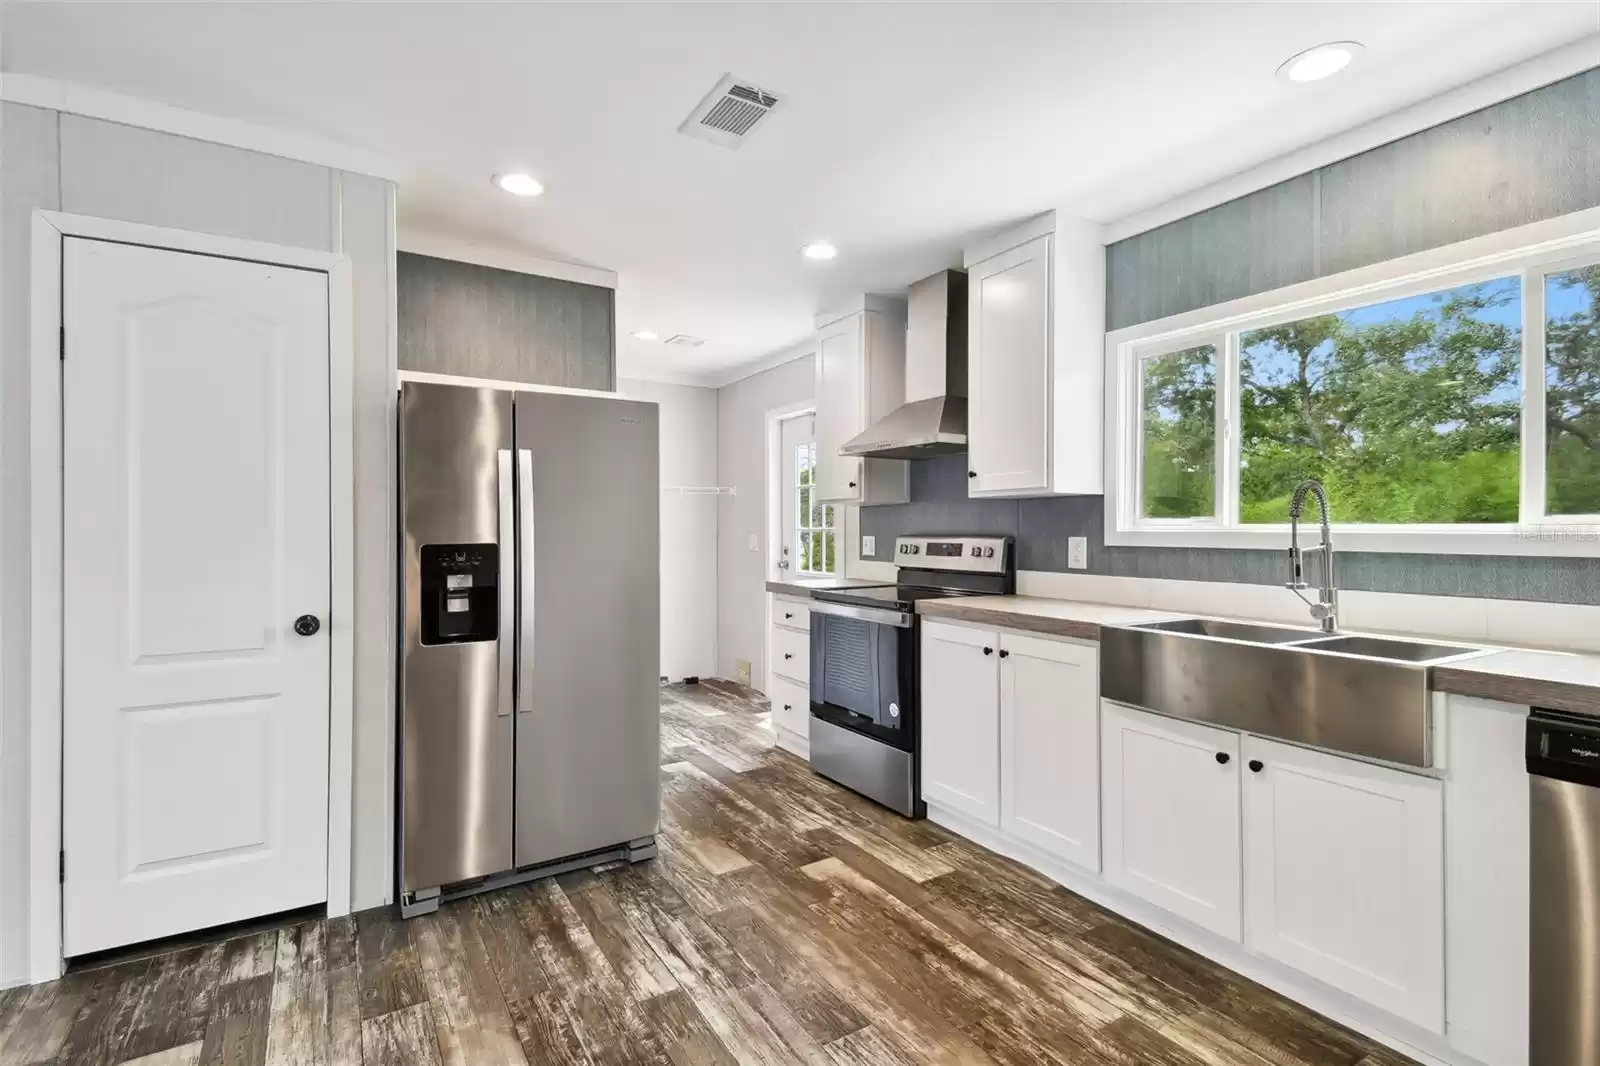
point(1050, 746)
point(1344, 874)
point(961, 720)
point(791, 706)
point(1170, 806)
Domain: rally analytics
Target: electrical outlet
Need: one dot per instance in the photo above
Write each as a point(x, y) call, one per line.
point(741, 671)
point(869, 547)
point(1077, 553)
point(752, 542)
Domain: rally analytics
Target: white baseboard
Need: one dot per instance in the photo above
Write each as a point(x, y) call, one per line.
point(1408, 1039)
point(792, 742)
point(1564, 626)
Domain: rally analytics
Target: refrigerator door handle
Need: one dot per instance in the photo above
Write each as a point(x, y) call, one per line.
point(508, 612)
point(525, 569)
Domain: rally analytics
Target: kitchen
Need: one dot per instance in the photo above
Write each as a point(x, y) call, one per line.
point(869, 608)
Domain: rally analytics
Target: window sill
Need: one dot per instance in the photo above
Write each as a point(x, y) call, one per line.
point(1578, 538)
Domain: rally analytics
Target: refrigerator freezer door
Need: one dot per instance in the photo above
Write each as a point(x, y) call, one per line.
point(588, 735)
point(456, 728)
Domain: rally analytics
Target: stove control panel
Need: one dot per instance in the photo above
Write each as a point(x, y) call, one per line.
point(978, 555)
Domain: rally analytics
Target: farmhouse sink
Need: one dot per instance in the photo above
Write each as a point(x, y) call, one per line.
point(1403, 651)
point(1365, 696)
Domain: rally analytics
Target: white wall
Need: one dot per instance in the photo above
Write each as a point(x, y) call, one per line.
point(688, 526)
point(86, 166)
point(742, 409)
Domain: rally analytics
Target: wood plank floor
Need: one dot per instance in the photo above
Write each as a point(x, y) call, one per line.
point(786, 921)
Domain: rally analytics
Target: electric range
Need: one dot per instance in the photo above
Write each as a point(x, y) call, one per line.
point(866, 663)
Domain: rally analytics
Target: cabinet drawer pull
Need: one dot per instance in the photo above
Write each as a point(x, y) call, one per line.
point(1256, 766)
point(1004, 654)
point(972, 473)
point(788, 655)
point(788, 614)
point(1222, 757)
point(988, 651)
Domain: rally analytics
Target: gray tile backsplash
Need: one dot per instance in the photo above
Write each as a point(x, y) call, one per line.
point(939, 504)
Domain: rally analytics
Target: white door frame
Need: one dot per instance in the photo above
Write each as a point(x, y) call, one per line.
point(50, 228)
point(770, 572)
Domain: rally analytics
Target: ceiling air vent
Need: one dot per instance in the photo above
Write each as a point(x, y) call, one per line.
point(729, 112)
point(683, 340)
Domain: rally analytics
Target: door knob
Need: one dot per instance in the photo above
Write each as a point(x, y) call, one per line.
point(307, 625)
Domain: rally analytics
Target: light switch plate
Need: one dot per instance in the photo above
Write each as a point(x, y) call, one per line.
point(869, 547)
point(1077, 553)
point(752, 542)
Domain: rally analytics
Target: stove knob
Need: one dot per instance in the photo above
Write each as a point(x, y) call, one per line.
point(976, 551)
point(988, 553)
point(915, 549)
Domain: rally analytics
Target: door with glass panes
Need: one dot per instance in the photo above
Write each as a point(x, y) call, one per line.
point(807, 545)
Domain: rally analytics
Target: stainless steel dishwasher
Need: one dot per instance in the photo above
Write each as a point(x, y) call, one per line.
point(1563, 758)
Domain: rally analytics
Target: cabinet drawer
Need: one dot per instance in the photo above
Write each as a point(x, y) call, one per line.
point(791, 706)
point(791, 654)
point(791, 614)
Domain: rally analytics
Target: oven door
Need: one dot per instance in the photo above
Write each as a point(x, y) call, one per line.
point(863, 671)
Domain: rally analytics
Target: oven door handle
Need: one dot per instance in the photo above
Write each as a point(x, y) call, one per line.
point(898, 619)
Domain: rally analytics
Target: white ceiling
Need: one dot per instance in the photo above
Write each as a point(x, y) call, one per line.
point(907, 128)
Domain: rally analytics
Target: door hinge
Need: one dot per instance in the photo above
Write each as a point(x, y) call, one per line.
point(63, 868)
point(63, 344)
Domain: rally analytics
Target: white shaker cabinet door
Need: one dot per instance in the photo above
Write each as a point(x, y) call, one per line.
point(841, 407)
point(1008, 372)
point(1171, 815)
point(1050, 746)
point(1344, 867)
point(961, 720)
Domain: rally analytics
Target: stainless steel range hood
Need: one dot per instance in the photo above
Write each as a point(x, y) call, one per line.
point(933, 420)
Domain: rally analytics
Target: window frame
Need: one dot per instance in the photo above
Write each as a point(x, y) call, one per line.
point(1528, 252)
point(802, 526)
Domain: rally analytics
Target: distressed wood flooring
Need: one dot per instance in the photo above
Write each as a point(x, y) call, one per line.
point(786, 921)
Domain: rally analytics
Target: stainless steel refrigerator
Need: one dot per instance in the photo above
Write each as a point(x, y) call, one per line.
point(530, 651)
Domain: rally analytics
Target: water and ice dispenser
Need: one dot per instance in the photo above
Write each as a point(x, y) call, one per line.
point(460, 599)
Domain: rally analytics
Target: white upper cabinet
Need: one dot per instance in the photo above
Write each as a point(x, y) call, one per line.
point(961, 720)
point(1171, 815)
point(861, 377)
point(1344, 873)
point(1050, 746)
point(1035, 355)
point(1008, 371)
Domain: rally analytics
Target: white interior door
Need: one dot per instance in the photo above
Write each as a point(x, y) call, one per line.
point(807, 546)
point(196, 530)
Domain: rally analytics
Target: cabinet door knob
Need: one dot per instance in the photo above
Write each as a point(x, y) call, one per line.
point(972, 473)
point(988, 651)
point(1256, 766)
point(852, 484)
point(788, 706)
point(788, 614)
point(307, 625)
point(788, 655)
point(1223, 757)
point(1004, 654)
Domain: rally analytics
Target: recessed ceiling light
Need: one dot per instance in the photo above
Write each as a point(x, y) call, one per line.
point(1320, 62)
point(819, 250)
point(645, 335)
point(519, 184)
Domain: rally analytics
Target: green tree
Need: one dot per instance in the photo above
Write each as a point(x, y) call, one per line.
point(1572, 393)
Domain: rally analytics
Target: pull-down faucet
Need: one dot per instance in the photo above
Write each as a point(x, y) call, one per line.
point(1326, 609)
